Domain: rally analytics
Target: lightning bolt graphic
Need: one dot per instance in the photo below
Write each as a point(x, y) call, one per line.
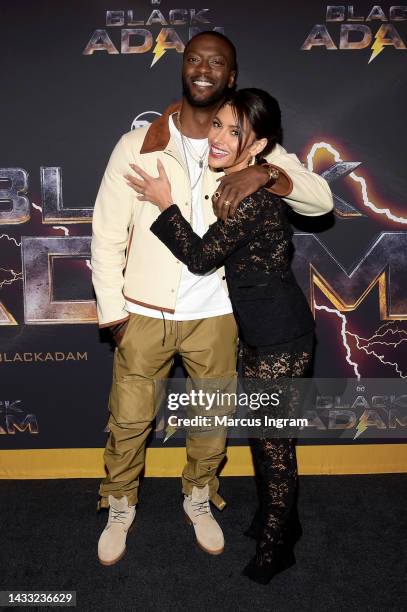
point(358, 179)
point(354, 365)
point(34, 205)
point(381, 332)
point(361, 426)
point(169, 431)
point(9, 281)
point(61, 227)
point(377, 46)
point(10, 238)
point(388, 330)
point(372, 341)
point(158, 50)
point(366, 344)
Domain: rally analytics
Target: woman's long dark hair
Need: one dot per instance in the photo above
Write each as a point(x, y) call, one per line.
point(263, 113)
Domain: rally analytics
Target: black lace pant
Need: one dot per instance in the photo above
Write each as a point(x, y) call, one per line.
point(276, 525)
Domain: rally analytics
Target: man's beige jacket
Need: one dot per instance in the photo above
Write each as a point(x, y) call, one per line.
point(128, 261)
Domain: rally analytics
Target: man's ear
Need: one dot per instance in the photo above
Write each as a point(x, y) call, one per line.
point(232, 79)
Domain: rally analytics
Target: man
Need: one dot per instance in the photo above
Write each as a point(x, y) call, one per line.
point(158, 309)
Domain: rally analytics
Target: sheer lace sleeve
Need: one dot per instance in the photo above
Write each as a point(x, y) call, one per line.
point(221, 239)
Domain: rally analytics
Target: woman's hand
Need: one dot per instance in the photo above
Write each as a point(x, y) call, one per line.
point(154, 190)
point(236, 186)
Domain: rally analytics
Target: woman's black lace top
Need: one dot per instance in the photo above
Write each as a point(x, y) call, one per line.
point(256, 242)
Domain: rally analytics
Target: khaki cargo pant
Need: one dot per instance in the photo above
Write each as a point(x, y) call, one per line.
point(208, 351)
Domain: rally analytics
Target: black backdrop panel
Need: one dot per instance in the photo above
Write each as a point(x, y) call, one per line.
point(74, 78)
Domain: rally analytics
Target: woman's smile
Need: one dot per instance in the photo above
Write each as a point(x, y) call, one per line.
point(218, 153)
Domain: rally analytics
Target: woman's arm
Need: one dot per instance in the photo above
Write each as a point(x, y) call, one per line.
point(221, 239)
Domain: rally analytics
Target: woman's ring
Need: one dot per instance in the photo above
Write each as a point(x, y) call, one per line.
point(216, 194)
point(226, 203)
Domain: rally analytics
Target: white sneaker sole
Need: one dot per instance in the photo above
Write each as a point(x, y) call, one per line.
point(210, 551)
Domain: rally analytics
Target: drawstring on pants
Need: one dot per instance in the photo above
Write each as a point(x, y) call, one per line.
point(171, 330)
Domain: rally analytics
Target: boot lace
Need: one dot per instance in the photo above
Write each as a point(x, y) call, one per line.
point(118, 516)
point(201, 507)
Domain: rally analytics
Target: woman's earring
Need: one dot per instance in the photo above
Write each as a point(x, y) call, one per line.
point(252, 160)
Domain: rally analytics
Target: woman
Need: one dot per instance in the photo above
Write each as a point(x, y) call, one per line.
point(275, 322)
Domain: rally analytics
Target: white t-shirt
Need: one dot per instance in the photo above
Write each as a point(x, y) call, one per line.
point(198, 297)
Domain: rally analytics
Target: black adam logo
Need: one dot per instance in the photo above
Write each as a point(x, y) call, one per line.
point(376, 30)
point(156, 32)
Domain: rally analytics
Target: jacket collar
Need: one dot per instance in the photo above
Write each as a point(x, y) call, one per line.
point(158, 134)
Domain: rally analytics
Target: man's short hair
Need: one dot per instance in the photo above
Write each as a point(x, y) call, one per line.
point(220, 36)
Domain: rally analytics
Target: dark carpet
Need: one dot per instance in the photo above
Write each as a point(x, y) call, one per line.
point(352, 555)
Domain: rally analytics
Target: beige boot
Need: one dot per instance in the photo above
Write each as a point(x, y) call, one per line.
point(112, 542)
point(198, 513)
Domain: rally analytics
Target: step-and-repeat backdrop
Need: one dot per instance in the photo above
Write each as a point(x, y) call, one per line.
point(76, 75)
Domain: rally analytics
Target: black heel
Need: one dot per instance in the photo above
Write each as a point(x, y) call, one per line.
point(263, 573)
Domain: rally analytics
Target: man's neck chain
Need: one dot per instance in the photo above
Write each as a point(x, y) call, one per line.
point(199, 159)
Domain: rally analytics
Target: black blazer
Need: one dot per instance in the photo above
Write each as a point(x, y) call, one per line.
point(256, 249)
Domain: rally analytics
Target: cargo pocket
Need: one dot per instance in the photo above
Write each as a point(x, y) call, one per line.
point(222, 391)
point(133, 400)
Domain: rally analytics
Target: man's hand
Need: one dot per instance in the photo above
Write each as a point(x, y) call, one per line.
point(236, 186)
point(118, 331)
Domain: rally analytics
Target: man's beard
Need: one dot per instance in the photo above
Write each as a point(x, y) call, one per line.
point(215, 98)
